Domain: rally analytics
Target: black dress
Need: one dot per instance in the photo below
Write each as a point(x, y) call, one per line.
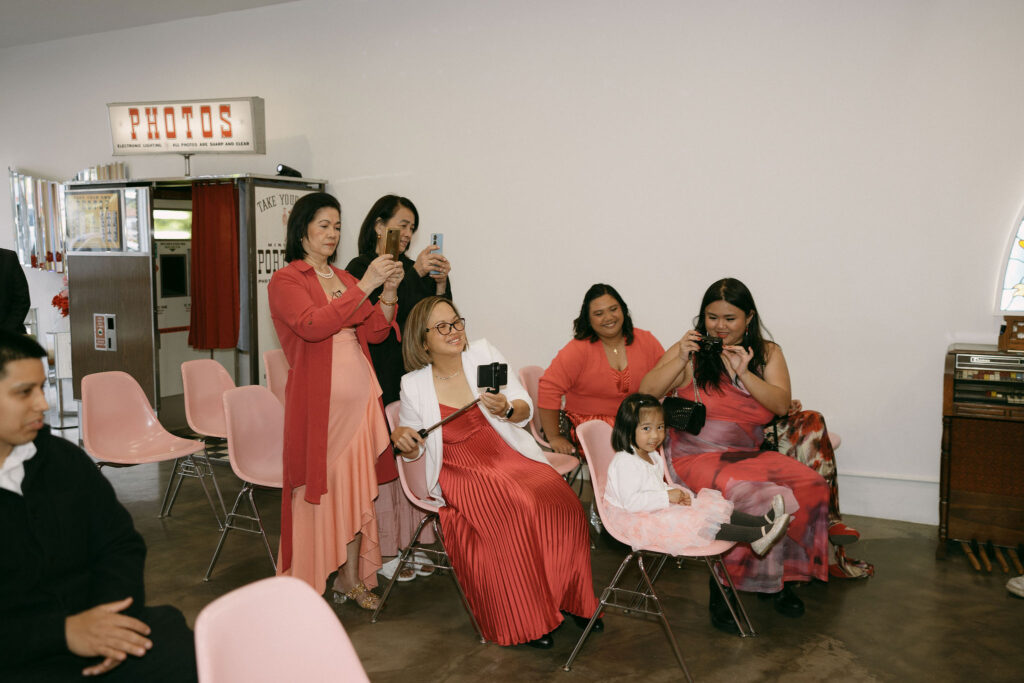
point(387, 355)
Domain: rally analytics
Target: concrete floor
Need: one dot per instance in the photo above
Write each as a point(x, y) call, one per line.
point(918, 619)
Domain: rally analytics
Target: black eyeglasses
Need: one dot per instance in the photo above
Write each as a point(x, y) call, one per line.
point(446, 328)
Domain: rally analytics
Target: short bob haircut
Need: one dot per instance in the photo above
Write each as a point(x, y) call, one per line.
point(301, 216)
point(627, 419)
point(14, 347)
point(383, 210)
point(414, 336)
point(582, 329)
point(708, 367)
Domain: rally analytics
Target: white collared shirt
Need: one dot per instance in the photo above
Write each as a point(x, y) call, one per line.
point(12, 472)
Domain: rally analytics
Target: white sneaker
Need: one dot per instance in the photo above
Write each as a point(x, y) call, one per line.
point(388, 569)
point(420, 558)
point(1016, 586)
point(778, 506)
point(761, 545)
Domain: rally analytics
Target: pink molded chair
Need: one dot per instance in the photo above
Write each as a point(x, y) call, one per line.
point(275, 629)
point(276, 366)
point(595, 437)
point(119, 427)
point(413, 475)
point(569, 466)
point(254, 420)
point(205, 381)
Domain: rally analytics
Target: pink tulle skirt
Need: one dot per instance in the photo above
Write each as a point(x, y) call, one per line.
point(673, 529)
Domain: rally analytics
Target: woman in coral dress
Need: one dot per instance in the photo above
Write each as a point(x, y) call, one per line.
point(513, 528)
point(334, 427)
point(743, 386)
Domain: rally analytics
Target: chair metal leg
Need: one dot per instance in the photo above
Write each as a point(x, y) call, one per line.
point(175, 481)
point(458, 585)
point(263, 532)
point(402, 559)
point(664, 621)
point(224, 532)
point(746, 627)
point(201, 476)
point(209, 465)
point(609, 590)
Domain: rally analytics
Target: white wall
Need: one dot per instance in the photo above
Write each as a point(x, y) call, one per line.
point(858, 165)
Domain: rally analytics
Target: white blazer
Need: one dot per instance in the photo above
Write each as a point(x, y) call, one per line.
point(420, 409)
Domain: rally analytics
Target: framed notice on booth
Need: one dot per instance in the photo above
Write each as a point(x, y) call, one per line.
point(94, 221)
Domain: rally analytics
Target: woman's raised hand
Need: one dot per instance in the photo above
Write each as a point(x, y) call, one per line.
point(738, 358)
point(379, 270)
point(689, 344)
point(428, 262)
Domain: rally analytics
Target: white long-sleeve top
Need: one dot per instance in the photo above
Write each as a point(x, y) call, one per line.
point(637, 486)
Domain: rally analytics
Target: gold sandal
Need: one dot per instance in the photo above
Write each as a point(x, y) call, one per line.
point(363, 597)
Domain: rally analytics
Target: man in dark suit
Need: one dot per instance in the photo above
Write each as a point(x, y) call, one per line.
point(14, 299)
point(72, 600)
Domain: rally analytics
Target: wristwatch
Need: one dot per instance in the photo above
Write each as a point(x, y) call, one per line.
point(511, 409)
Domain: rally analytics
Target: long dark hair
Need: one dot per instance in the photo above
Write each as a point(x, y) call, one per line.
point(298, 223)
point(708, 367)
point(582, 329)
point(383, 210)
point(628, 417)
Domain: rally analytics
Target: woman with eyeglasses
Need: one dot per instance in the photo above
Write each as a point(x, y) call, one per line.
point(334, 426)
point(514, 529)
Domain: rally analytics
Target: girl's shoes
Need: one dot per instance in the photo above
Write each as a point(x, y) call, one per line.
point(420, 559)
point(778, 506)
point(778, 528)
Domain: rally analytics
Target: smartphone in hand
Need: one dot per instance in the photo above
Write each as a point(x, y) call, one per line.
point(437, 240)
point(392, 241)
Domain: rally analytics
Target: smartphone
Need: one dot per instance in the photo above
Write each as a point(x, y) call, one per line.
point(437, 240)
point(493, 376)
point(392, 241)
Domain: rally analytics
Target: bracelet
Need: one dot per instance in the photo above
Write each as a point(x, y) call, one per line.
point(389, 303)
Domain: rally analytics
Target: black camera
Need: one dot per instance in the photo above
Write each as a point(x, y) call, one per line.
point(710, 344)
point(492, 376)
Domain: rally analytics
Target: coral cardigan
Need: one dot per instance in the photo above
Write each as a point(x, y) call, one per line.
point(582, 374)
point(305, 325)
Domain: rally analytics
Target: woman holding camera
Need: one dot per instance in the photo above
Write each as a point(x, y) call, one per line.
point(743, 383)
point(594, 372)
point(513, 528)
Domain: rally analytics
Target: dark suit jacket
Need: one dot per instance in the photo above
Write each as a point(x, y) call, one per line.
point(14, 299)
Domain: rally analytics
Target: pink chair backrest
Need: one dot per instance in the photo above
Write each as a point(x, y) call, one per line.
point(596, 438)
point(276, 629)
point(529, 377)
point(115, 412)
point(412, 474)
point(276, 366)
point(255, 431)
point(205, 381)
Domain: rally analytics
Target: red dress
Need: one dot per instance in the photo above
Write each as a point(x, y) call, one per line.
point(726, 456)
point(515, 533)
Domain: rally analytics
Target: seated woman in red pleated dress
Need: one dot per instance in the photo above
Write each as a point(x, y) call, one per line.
point(513, 528)
point(744, 383)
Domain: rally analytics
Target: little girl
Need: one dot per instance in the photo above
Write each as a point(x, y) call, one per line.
point(663, 517)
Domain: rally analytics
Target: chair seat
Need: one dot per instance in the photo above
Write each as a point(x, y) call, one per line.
point(155, 448)
point(562, 462)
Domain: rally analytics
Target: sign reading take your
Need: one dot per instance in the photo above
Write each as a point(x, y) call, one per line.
point(219, 126)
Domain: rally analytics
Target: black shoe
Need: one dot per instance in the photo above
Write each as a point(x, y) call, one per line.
point(721, 617)
point(545, 642)
point(583, 621)
point(787, 603)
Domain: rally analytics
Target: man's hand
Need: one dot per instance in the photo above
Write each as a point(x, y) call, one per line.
point(103, 632)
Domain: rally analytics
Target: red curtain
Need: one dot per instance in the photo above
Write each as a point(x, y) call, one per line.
point(215, 302)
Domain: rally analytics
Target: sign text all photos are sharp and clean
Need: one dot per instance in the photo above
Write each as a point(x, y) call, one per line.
point(224, 126)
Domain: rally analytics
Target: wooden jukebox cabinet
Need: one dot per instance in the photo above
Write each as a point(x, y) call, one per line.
point(981, 490)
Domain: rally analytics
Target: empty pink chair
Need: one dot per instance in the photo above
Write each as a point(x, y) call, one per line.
point(119, 427)
point(275, 629)
point(568, 466)
point(205, 381)
point(276, 366)
point(595, 437)
point(254, 420)
point(413, 475)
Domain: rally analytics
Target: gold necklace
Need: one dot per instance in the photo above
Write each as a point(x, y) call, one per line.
point(443, 379)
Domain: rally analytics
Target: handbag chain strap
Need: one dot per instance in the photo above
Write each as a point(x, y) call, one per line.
point(693, 378)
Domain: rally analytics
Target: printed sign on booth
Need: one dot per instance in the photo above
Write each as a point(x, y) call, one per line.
point(218, 126)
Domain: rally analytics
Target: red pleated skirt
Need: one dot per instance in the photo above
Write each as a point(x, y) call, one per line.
point(515, 532)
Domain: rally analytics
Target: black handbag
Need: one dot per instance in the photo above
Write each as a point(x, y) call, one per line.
point(683, 414)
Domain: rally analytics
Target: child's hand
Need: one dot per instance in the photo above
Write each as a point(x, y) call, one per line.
point(678, 497)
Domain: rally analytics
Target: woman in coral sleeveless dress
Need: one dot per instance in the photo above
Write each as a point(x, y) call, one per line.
point(743, 386)
point(334, 427)
point(513, 528)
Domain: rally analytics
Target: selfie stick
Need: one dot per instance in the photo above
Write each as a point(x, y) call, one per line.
point(423, 432)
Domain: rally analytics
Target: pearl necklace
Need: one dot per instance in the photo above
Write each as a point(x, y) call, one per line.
point(328, 276)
